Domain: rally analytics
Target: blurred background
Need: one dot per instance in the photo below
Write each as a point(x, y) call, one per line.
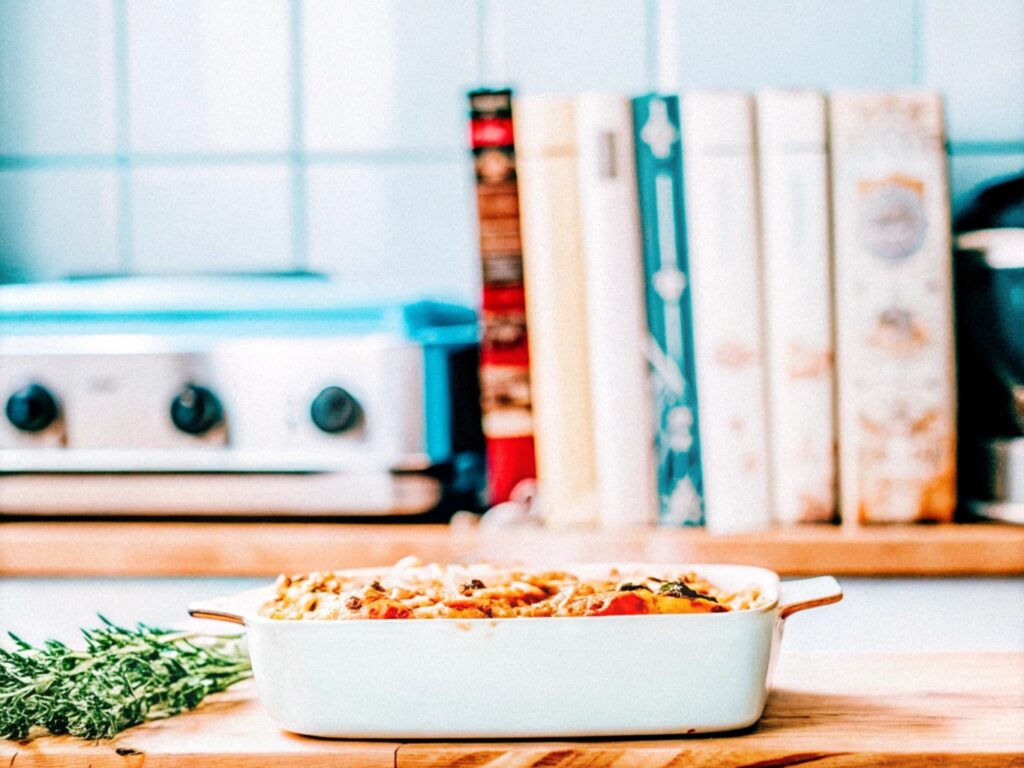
point(197, 136)
point(240, 137)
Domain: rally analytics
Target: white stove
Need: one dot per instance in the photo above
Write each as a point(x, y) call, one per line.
point(229, 395)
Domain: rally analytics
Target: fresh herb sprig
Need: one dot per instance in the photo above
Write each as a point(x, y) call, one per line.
point(122, 678)
point(682, 589)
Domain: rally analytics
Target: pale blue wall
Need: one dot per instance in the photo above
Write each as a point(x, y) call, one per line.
point(248, 135)
point(876, 615)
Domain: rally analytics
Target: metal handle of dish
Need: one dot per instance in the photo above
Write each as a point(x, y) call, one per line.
point(214, 609)
point(233, 608)
point(802, 594)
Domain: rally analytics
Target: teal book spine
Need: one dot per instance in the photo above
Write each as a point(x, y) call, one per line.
point(659, 165)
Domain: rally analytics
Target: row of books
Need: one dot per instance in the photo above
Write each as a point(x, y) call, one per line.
point(718, 291)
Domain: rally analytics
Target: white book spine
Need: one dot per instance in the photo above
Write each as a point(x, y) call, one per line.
point(894, 327)
point(616, 324)
point(556, 309)
point(725, 274)
point(796, 247)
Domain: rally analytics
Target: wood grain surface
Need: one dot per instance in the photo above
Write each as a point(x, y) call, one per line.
point(230, 730)
point(55, 548)
point(827, 711)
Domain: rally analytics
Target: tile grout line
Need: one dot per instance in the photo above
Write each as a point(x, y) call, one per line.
point(492, 35)
point(667, 46)
point(917, 42)
point(481, 42)
point(986, 147)
point(495, 48)
point(122, 158)
point(298, 157)
point(651, 36)
point(111, 160)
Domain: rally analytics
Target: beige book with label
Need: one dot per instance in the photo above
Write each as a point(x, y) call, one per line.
point(894, 327)
point(556, 309)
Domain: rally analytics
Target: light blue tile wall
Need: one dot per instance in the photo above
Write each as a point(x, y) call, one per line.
point(876, 615)
point(571, 45)
point(388, 75)
point(57, 77)
point(211, 218)
point(244, 135)
point(394, 228)
point(974, 53)
point(748, 44)
point(56, 221)
point(209, 76)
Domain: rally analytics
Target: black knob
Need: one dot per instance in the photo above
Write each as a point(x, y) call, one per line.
point(196, 410)
point(335, 410)
point(32, 408)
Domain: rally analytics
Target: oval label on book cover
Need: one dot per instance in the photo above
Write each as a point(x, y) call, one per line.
point(891, 222)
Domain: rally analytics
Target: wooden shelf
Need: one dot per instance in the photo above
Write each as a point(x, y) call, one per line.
point(839, 710)
point(63, 548)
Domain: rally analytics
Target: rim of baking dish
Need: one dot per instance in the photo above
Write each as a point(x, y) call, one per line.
point(254, 598)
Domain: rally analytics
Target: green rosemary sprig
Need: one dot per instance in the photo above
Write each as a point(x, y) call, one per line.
point(121, 678)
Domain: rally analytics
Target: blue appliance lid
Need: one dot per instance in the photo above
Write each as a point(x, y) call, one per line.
point(229, 305)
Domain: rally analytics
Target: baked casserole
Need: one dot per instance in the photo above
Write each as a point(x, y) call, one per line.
point(413, 590)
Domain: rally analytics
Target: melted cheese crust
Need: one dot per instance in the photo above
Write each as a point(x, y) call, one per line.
point(413, 590)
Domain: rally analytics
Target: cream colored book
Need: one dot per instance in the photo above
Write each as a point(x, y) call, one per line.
point(616, 324)
point(796, 246)
point(725, 276)
point(894, 327)
point(556, 309)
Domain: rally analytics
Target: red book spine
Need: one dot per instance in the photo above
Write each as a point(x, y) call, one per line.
point(504, 356)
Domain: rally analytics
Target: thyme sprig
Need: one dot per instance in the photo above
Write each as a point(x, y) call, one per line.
point(682, 589)
point(122, 678)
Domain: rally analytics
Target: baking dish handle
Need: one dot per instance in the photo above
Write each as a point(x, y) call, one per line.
point(214, 609)
point(234, 608)
point(802, 594)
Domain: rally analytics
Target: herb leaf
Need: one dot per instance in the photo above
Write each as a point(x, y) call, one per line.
point(122, 678)
point(679, 589)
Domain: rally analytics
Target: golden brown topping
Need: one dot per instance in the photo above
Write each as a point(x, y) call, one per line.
point(416, 590)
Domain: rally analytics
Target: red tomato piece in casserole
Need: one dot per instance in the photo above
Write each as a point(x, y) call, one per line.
point(616, 604)
point(386, 609)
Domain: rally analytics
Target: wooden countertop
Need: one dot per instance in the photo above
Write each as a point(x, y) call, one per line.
point(826, 710)
point(64, 548)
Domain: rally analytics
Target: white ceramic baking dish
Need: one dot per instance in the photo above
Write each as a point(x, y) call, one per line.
point(524, 677)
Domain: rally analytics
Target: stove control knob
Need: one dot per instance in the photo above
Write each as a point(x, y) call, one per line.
point(335, 410)
point(196, 410)
point(32, 408)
